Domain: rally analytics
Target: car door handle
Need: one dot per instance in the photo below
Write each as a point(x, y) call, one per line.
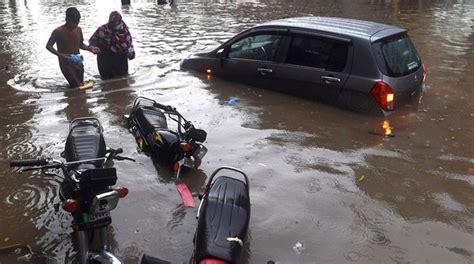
point(330, 79)
point(264, 71)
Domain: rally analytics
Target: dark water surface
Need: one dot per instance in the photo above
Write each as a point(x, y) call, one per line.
point(321, 177)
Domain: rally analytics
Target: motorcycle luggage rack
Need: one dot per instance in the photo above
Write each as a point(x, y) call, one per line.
point(209, 183)
point(81, 120)
point(139, 99)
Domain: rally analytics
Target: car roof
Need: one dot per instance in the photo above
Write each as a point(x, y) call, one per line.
point(343, 26)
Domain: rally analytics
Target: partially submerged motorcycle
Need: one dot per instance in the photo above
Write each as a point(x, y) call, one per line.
point(223, 220)
point(177, 146)
point(86, 188)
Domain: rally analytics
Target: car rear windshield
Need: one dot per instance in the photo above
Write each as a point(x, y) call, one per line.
point(400, 56)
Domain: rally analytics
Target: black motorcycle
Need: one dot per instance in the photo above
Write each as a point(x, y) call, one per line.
point(176, 146)
point(223, 220)
point(86, 188)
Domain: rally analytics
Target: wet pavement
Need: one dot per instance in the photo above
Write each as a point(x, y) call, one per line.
point(326, 185)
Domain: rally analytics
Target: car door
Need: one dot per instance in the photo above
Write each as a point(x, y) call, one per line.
point(315, 66)
point(250, 58)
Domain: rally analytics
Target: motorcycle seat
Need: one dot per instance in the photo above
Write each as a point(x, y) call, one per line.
point(223, 221)
point(149, 119)
point(85, 141)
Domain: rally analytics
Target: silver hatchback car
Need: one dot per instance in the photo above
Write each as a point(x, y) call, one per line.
point(360, 65)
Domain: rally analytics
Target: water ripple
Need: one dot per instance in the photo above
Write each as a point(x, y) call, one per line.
point(32, 198)
point(22, 149)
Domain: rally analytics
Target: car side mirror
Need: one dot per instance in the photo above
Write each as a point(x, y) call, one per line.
point(220, 53)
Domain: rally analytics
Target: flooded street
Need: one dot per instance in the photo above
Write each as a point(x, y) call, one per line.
point(326, 185)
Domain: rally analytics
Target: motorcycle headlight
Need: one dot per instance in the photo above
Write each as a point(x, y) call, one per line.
point(104, 202)
point(200, 152)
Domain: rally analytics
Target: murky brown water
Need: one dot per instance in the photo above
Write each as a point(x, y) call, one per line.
point(305, 159)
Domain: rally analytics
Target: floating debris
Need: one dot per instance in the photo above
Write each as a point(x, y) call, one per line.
point(298, 248)
point(233, 100)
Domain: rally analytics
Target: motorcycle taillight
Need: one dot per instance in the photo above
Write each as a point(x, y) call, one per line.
point(213, 261)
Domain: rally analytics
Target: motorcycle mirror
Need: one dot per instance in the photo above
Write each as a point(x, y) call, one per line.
point(199, 135)
point(187, 125)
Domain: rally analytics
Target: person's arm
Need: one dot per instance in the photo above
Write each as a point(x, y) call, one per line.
point(90, 48)
point(131, 51)
point(94, 40)
point(49, 46)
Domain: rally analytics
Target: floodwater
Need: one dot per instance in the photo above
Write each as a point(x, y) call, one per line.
point(326, 185)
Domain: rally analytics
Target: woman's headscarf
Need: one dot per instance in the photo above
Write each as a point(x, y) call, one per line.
point(113, 35)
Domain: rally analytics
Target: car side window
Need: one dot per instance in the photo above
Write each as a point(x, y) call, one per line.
point(257, 47)
point(317, 52)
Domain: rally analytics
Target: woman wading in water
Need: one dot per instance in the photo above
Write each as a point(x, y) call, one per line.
point(116, 47)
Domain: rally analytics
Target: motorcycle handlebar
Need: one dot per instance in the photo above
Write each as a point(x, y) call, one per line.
point(164, 107)
point(30, 162)
point(118, 151)
point(115, 154)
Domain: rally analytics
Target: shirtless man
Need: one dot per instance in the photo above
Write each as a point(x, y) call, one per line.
point(68, 39)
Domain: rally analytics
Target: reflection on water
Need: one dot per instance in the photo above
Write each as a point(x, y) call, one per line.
point(386, 126)
point(326, 178)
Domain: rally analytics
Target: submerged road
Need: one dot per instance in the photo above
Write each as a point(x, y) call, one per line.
point(326, 185)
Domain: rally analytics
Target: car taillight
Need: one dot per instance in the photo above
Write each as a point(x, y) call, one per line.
point(213, 261)
point(71, 205)
point(122, 191)
point(384, 95)
point(423, 66)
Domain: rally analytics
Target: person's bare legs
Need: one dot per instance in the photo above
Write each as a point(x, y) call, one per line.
point(74, 73)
